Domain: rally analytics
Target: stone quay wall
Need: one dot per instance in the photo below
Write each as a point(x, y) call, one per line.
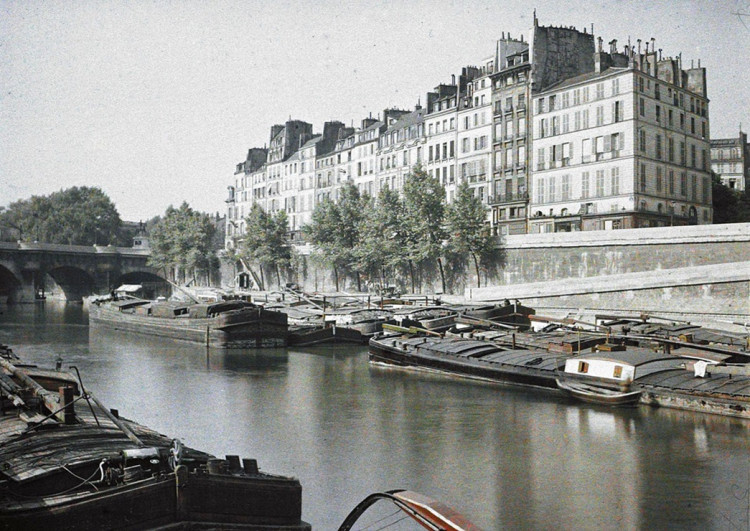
point(672, 270)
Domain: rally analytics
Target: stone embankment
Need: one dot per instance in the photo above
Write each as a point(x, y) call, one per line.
point(676, 271)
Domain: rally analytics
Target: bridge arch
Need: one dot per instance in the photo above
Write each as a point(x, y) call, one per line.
point(9, 284)
point(71, 283)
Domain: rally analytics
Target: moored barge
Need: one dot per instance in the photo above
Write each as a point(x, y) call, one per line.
point(228, 324)
point(69, 463)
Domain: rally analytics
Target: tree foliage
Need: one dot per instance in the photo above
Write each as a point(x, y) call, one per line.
point(74, 216)
point(424, 206)
point(730, 206)
point(380, 251)
point(335, 230)
point(266, 240)
point(469, 235)
point(181, 245)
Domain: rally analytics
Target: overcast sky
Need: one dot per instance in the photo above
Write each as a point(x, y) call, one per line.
point(155, 102)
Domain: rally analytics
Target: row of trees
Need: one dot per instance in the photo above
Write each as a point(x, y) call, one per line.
point(410, 238)
point(183, 245)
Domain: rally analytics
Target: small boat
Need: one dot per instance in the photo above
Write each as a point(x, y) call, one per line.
point(229, 324)
point(607, 376)
point(430, 514)
point(70, 463)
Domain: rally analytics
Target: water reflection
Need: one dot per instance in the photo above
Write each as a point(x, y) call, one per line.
point(504, 456)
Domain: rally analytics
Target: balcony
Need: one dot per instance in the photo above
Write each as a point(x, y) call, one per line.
point(516, 197)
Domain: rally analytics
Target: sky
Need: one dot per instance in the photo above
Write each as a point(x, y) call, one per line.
point(155, 102)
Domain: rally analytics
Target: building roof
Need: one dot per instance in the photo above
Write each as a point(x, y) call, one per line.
point(584, 78)
point(407, 120)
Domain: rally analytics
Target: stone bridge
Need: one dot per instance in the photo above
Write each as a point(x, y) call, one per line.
point(69, 272)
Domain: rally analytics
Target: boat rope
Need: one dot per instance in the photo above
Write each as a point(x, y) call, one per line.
point(386, 526)
point(386, 517)
point(84, 481)
point(35, 425)
point(175, 454)
point(85, 395)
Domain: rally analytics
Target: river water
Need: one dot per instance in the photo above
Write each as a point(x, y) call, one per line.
point(505, 457)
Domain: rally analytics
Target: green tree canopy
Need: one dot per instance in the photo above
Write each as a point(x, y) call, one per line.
point(468, 232)
point(266, 240)
point(381, 246)
point(424, 202)
point(730, 206)
point(335, 231)
point(181, 244)
point(74, 216)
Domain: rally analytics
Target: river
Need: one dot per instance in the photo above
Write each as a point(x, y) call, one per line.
point(505, 457)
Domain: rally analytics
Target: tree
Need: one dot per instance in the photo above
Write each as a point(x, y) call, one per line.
point(321, 232)
point(181, 244)
point(468, 231)
point(730, 206)
point(266, 240)
point(424, 202)
point(352, 207)
point(335, 231)
point(381, 244)
point(74, 216)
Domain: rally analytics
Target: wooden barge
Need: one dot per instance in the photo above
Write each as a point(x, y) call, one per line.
point(69, 463)
point(229, 324)
point(469, 358)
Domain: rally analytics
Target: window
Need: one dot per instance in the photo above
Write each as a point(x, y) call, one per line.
point(615, 180)
point(683, 184)
point(599, 91)
point(642, 107)
point(565, 123)
point(617, 111)
point(643, 178)
point(670, 149)
point(577, 121)
point(600, 183)
point(658, 180)
point(670, 181)
point(617, 373)
point(615, 86)
point(583, 367)
point(540, 159)
point(600, 115)
point(585, 185)
point(565, 188)
point(642, 140)
point(658, 114)
point(465, 145)
point(658, 146)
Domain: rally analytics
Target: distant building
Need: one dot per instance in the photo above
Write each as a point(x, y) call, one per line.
point(730, 160)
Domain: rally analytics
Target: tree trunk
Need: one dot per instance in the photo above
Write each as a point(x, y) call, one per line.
point(411, 274)
point(476, 267)
point(336, 276)
point(359, 282)
point(442, 273)
point(278, 275)
point(262, 277)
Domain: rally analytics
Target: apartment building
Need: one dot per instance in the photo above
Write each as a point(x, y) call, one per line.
point(511, 96)
point(474, 141)
point(730, 160)
point(400, 147)
point(624, 146)
point(440, 122)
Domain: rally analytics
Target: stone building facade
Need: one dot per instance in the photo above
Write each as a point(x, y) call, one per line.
point(551, 132)
point(730, 160)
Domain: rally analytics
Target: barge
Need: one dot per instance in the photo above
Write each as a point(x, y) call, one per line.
point(69, 463)
point(227, 324)
point(470, 358)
